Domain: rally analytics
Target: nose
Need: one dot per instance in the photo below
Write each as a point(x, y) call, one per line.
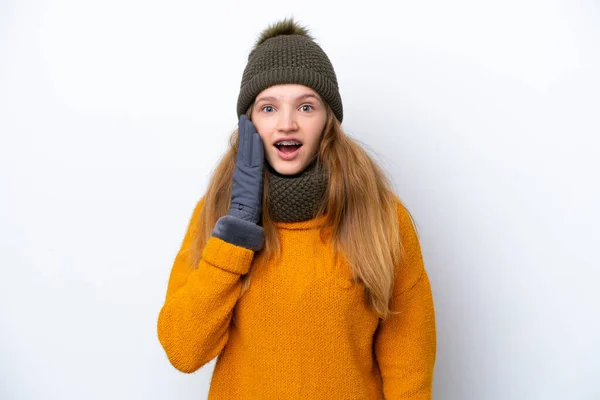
point(287, 121)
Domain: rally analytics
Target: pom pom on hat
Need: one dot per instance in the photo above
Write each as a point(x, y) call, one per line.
point(283, 27)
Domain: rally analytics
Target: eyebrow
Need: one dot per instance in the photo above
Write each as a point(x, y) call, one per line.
point(301, 97)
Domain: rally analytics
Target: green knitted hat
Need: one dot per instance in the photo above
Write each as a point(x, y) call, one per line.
point(286, 53)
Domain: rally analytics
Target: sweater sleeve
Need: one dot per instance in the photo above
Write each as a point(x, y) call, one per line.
point(405, 343)
point(193, 323)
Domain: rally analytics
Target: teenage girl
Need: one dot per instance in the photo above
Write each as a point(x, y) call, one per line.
point(300, 268)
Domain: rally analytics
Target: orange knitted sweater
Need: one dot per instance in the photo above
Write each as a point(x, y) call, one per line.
point(303, 330)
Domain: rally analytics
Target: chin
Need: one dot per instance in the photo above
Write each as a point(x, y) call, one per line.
point(287, 168)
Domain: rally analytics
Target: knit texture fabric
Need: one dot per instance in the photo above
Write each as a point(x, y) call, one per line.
point(294, 198)
point(304, 329)
point(289, 59)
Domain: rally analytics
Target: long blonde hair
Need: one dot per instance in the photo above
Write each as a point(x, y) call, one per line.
point(361, 208)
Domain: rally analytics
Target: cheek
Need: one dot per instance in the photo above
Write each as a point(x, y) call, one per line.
point(262, 127)
point(317, 134)
point(262, 135)
point(315, 143)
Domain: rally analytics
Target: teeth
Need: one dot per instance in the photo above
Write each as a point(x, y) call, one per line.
point(288, 143)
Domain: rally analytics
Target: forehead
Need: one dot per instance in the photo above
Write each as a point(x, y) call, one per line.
point(287, 91)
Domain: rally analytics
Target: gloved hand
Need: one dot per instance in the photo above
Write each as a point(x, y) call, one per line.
point(240, 227)
point(247, 185)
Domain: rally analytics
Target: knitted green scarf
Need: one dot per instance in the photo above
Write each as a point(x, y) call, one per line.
point(296, 198)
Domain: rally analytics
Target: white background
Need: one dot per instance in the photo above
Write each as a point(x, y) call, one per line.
point(113, 114)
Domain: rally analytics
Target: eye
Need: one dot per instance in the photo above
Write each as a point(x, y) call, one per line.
point(267, 109)
point(306, 107)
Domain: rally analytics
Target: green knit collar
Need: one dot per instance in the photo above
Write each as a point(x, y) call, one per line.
point(294, 198)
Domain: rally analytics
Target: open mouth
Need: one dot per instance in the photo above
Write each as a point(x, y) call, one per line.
point(288, 150)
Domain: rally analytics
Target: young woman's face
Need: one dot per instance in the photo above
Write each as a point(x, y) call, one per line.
point(289, 112)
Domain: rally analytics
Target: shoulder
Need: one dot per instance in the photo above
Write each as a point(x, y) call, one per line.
point(405, 219)
point(193, 223)
point(411, 266)
point(197, 211)
point(198, 208)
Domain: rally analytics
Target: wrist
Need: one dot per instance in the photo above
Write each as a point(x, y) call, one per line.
point(244, 213)
point(239, 232)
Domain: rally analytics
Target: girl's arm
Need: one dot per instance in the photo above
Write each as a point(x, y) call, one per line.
point(405, 343)
point(193, 323)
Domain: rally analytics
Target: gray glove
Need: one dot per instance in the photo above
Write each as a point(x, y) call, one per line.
point(247, 186)
point(240, 227)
